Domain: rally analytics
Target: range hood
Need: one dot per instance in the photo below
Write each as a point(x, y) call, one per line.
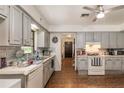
point(92, 47)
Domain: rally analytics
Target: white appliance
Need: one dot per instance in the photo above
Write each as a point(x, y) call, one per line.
point(92, 47)
point(96, 65)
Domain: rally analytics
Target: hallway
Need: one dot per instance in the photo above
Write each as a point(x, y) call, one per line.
point(69, 78)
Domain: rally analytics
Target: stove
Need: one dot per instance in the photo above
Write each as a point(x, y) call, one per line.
point(96, 65)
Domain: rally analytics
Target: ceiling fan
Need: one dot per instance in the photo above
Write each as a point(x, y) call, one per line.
point(99, 12)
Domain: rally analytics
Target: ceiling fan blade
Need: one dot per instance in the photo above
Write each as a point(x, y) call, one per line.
point(94, 20)
point(116, 8)
point(84, 15)
point(88, 8)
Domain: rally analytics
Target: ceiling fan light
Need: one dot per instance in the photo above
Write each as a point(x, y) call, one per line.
point(100, 15)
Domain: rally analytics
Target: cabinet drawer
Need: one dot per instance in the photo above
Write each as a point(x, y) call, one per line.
point(82, 59)
point(119, 59)
point(108, 59)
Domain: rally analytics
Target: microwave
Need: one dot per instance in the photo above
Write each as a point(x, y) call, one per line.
point(120, 52)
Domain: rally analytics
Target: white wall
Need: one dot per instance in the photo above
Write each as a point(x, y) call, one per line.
point(57, 50)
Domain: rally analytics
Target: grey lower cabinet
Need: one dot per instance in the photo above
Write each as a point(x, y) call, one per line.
point(122, 66)
point(48, 69)
point(45, 73)
point(82, 65)
point(108, 64)
point(117, 64)
point(113, 65)
point(35, 79)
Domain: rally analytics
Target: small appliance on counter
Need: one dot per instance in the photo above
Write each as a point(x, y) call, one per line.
point(111, 52)
point(3, 62)
point(81, 52)
point(115, 51)
point(45, 51)
point(120, 52)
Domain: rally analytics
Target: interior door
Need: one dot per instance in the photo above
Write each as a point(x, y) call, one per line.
point(68, 49)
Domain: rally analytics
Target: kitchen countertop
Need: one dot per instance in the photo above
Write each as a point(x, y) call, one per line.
point(23, 70)
point(101, 56)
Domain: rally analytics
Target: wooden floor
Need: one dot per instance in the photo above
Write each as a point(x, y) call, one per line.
point(69, 78)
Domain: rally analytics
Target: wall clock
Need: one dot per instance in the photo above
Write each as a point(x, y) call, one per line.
point(55, 39)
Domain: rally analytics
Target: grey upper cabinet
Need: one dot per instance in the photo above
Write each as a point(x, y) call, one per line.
point(4, 28)
point(15, 25)
point(26, 30)
point(89, 36)
point(120, 39)
point(97, 36)
point(43, 39)
point(93, 36)
point(80, 40)
point(113, 40)
point(40, 38)
point(47, 39)
point(105, 40)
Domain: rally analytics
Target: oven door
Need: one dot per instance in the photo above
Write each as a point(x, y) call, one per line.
point(96, 65)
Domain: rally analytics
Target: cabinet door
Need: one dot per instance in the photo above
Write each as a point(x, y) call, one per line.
point(35, 79)
point(108, 64)
point(89, 37)
point(80, 40)
point(82, 64)
point(44, 76)
point(120, 39)
point(122, 67)
point(113, 40)
point(26, 30)
point(15, 25)
point(105, 40)
point(46, 39)
point(97, 37)
point(117, 63)
point(40, 38)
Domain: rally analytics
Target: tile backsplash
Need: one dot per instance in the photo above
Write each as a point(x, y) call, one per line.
point(8, 52)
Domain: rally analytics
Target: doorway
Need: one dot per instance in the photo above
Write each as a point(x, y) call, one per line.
point(68, 49)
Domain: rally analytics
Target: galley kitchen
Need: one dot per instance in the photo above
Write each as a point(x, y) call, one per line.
point(62, 46)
